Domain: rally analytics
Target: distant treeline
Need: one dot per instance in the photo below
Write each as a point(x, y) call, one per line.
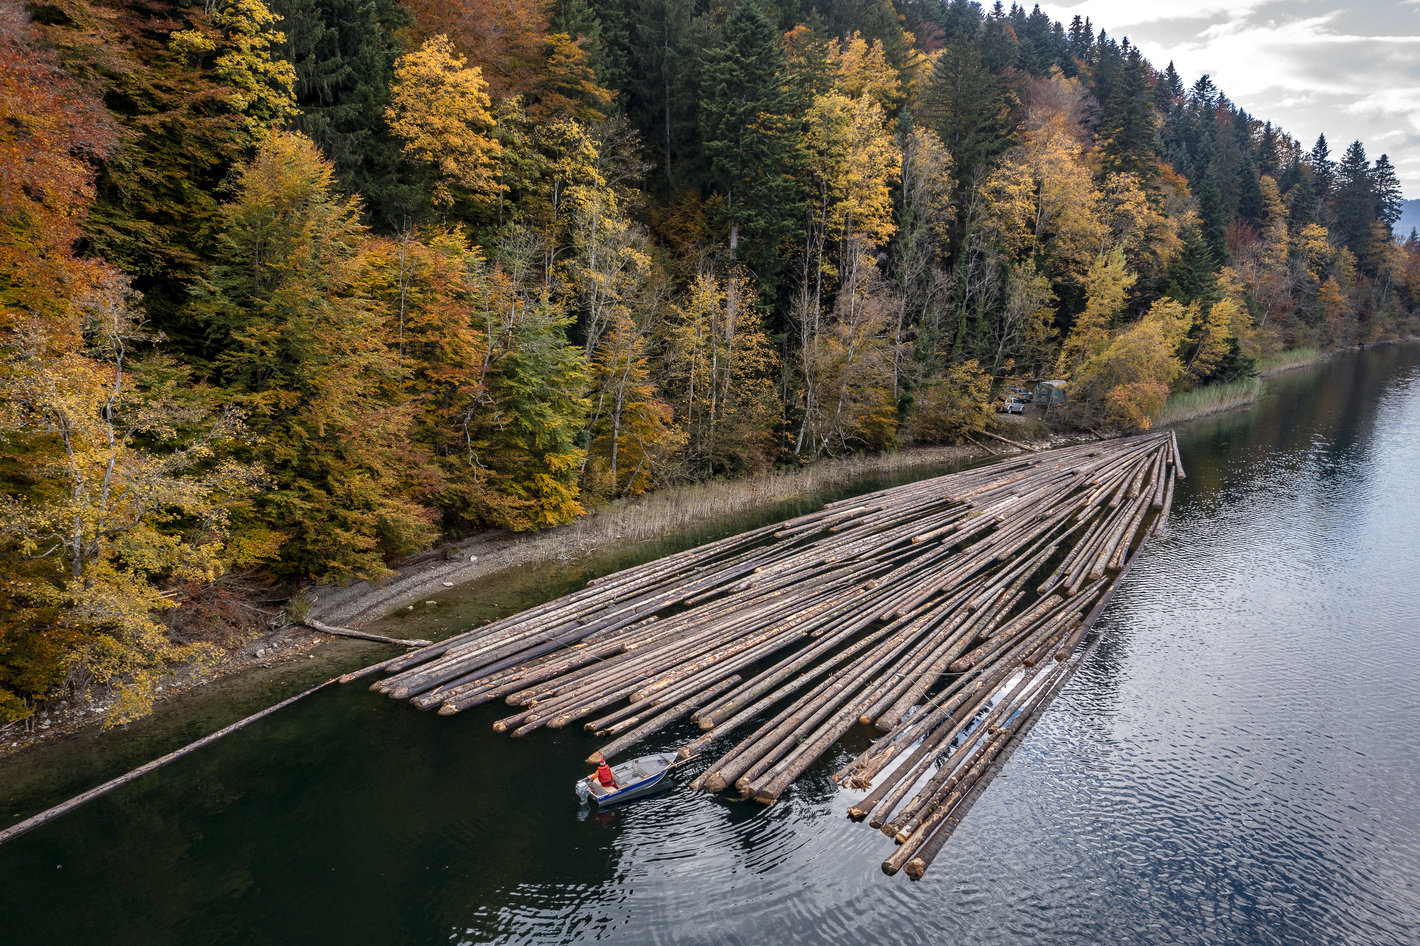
point(294, 288)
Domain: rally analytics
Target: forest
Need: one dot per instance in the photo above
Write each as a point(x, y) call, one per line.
point(293, 289)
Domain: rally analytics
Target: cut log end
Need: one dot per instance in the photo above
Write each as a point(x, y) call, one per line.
point(715, 782)
point(596, 758)
point(916, 868)
point(856, 813)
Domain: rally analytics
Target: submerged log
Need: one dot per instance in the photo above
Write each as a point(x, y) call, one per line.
point(315, 625)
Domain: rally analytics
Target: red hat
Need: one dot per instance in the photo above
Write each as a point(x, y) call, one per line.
point(602, 764)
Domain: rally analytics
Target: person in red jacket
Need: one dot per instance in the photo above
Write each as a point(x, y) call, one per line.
point(604, 775)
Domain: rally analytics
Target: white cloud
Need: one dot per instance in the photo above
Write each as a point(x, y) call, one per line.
point(1118, 17)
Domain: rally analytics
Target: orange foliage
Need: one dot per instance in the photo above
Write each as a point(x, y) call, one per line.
point(512, 42)
point(50, 131)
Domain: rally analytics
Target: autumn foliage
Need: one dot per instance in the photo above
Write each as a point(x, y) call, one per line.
point(295, 288)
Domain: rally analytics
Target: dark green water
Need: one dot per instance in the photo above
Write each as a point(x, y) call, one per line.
point(1237, 762)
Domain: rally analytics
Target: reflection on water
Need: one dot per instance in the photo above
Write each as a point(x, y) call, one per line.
point(1237, 762)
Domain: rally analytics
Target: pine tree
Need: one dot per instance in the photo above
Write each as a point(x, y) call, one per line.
point(521, 468)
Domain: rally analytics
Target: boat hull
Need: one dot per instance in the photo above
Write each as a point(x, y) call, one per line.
point(635, 779)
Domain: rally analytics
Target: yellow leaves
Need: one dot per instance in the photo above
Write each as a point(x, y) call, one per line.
point(1316, 247)
point(1137, 403)
point(1107, 285)
point(1136, 223)
point(718, 366)
point(952, 407)
point(1010, 196)
point(1042, 198)
point(864, 70)
point(1127, 383)
point(855, 164)
point(1215, 330)
point(439, 109)
point(262, 86)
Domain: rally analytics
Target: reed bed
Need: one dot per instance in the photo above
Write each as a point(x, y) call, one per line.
point(1289, 359)
point(1212, 399)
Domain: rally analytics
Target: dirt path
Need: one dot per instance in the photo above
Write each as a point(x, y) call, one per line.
point(657, 515)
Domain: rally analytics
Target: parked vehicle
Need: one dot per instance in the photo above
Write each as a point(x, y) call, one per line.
point(1012, 405)
point(1022, 394)
point(1050, 392)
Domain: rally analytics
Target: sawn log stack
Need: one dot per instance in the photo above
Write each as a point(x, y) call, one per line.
point(942, 613)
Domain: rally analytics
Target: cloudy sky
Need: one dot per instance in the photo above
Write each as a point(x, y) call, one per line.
point(1312, 66)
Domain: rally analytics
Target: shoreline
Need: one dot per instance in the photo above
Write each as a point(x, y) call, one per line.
point(1227, 403)
point(662, 514)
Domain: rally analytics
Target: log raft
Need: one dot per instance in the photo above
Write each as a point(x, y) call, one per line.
point(941, 614)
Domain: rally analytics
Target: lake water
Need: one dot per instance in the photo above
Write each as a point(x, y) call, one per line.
point(1237, 761)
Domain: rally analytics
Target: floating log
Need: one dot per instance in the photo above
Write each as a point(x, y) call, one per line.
point(909, 609)
point(315, 625)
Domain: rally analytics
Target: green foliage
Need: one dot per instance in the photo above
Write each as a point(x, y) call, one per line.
point(969, 108)
point(524, 458)
point(344, 52)
point(746, 136)
point(303, 352)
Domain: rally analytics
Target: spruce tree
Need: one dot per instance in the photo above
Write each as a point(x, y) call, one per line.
point(1323, 168)
point(968, 107)
point(1354, 205)
point(1389, 197)
point(344, 53)
point(747, 138)
point(1127, 125)
point(1193, 275)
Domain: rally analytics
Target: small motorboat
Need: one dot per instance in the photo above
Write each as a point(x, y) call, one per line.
point(634, 779)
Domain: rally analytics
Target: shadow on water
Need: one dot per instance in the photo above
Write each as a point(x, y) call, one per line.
point(1237, 762)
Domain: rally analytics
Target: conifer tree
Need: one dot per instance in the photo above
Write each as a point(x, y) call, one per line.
point(303, 353)
point(749, 151)
point(344, 52)
point(968, 107)
point(1354, 204)
point(1323, 168)
point(521, 468)
point(1389, 197)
